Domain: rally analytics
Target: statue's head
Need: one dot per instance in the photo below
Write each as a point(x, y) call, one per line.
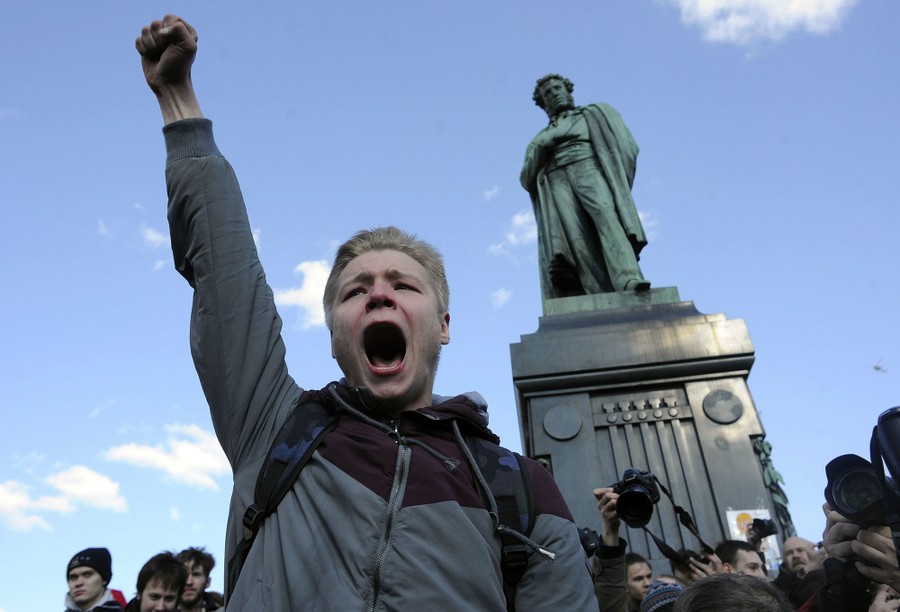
point(553, 93)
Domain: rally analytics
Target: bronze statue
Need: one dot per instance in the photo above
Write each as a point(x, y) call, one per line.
point(579, 171)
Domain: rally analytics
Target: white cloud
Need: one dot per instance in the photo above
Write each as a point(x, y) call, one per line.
point(99, 409)
point(743, 22)
point(500, 297)
point(190, 455)
point(152, 237)
point(159, 264)
point(174, 514)
point(522, 230)
point(103, 229)
point(491, 193)
point(28, 460)
point(138, 206)
point(77, 485)
point(18, 510)
point(82, 484)
point(308, 297)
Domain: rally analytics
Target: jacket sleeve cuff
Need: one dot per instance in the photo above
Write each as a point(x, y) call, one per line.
point(189, 138)
point(611, 552)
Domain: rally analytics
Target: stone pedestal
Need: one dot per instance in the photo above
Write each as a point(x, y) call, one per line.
point(644, 380)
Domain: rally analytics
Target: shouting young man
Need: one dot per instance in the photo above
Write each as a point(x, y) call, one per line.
point(392, 511)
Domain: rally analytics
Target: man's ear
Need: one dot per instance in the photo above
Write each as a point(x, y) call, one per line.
point(331, 338)
point(445, 329)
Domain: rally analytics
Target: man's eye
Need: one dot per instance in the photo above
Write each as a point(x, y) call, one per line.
point(354, 292)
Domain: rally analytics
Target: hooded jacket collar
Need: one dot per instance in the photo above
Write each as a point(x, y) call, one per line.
point(469, 410)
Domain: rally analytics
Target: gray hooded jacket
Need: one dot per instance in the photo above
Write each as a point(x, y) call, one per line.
point(387, 514)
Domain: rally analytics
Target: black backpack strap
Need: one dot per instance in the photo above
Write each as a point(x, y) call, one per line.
point(298, 438)
point(507, 477)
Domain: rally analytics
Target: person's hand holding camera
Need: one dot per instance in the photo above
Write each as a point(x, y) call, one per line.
point(701, 569)
point(839, 534)
point(885, 600)
point(877, 557)
point(606, 504)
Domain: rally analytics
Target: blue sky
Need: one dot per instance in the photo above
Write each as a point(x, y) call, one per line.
point(767, 181)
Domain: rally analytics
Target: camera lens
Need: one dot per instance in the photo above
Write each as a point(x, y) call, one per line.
point(635, 506)
point(855, 490)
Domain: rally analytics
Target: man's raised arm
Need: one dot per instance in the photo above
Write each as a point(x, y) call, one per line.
point(235, 328)
point(167, 49)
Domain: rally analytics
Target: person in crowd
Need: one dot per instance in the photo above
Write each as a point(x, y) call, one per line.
point(195, 597)
point(800, 575)
point(681, 568)
point(621, 580)
point(740, 557)
point(398, 509)
point(860, 562)
point(609, 559)
point(734, 593)
point(159, 584)
point(661, 597)
point(638, 578)
point(88, 574)
point(691, 566)
point(799, 556)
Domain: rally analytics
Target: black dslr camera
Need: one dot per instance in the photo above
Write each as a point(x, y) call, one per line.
point(859, 489)
point(637, 494)
point(759, 530)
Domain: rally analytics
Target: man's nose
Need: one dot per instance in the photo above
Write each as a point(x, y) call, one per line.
point(380, 296)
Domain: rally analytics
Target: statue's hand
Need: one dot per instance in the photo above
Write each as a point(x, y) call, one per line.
point(550, 136)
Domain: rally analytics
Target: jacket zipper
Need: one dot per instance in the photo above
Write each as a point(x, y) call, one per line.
point(399, 485)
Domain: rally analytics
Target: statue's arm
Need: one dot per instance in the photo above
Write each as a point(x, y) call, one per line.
point(535, 156)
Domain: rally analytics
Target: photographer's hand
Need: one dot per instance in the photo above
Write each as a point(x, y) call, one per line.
point(702, 570)
point(816, 558)
point(839, 534)
point(877, 557)
point(606, 504)
point(885, 600)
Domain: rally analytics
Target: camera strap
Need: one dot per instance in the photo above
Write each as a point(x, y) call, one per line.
point(686, 520)
point(888, 491)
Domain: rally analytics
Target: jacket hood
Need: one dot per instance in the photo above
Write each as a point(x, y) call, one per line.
point(468, 409)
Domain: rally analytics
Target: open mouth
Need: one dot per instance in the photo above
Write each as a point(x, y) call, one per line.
point(385, 345)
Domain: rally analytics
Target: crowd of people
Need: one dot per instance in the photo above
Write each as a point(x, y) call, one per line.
point(166, 582)
point(396, 507)
point(853, 569)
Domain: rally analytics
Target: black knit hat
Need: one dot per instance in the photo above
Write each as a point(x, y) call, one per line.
point(97, 559)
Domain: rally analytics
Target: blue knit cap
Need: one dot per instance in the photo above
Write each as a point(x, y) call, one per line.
point(660, 597)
